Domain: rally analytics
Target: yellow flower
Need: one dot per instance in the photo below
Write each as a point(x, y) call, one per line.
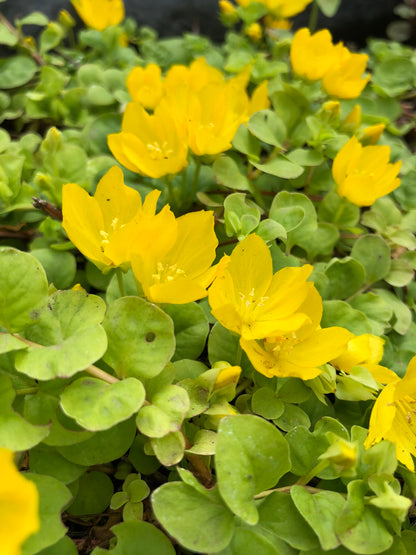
point(365, 350)
point(196, 76)
point(364, 174)
point(149, 144)
point(370, 135)
point(174, 266)
point(254, 31)
point(394, 417)
point(277, 24)
point(228, 10)
point(248, 299)
point(353, 120)
point(280, 8)
point(214, 115)
point(344, 78)
point(228, 375)
point(298, 353)
point(104, 227)
point(312, 55)
point(260, 98)
point(145, 85)
point(99, 14)
point(19, 506)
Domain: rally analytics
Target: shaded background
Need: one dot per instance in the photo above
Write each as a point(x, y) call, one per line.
point(355, 21)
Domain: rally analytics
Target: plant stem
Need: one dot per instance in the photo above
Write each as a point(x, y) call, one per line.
point(194, 185)
point(303, 480)
point(119, 274)
point(238, 355)
point(313, 18)
point(285, 489)
point(171, 193)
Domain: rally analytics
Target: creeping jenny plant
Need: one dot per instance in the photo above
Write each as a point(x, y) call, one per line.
point(207, 311)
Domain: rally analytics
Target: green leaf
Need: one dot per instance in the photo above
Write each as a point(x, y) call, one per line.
point(204, 443)
point(34, 18)
point(165, 414)
point(46, 460)
point(169, 449)
point(329, 7)
point(141, 338)
point(340, 313)
point(64, 546)
point(253, 539)
point(138, 538)
point(69, 328)
point(97, 95)
point(402, 314)
point(7, 36)
point(320, 510)
point(223, 345)
point(265, 403)
point(291, 417)
point(10, 343)
point(102, 447)
point(215, 523)
point(228, 173)
point(241, 215)
point(305, 448)
point(16, 71)
point(145, 464)
point(305, 157)
point(322, 242)
point(333, 209)
point(251, 456)
point(191, 329)
point(377, 310)
point(280, 517)
point(280, 166)
point(345, 277)
point(246, 143)
point(94, 494)
point(374, 254)
point(401, 273)
point(268, 127)
point(286, 209)
point(53, 496)
point(60, 267)
point(51, 37)
point(97, 405)
point(16, 433)
point(11, 167)
point(23, 288)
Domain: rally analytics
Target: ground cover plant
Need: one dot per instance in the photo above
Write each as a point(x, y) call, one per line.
point(207, 305)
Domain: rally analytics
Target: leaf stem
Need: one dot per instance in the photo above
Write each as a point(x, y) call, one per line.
point(119, 274)
point(313, 18)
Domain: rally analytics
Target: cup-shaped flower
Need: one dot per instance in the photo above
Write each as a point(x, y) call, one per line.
point(105, 226)
point(145, 85)
point(19, 506)
point(213, 116)
point(298, 353)
point(364, 174)
point(365, 350)
point(175, 265)
point(99, 14)
point(344, 79)
point(248, 299)
point(394, 417)
point(195, 76)
point(312, 55)
point(149, 144)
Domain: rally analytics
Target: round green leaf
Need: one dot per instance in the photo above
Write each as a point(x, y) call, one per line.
point(191, 329)
point(138, 538)
point(373, 253)
point(97, 405)
point(16, 71)
point(227, 173)
point(145, 464)
point(60, 267)
point(53, 496)
point(291, 417)
point(266, 404)
point(165, 414)
point(46, 460)
point(199, 521)
point(69, 329)
point(102, 447)
point(141, 338)
point(345, 277)
point(268, 127)
point(23, 288)
point(340, 313)
point(251, 456)
point(94, 494)
point(16, 433)
point(170, 448)
point(280, 166)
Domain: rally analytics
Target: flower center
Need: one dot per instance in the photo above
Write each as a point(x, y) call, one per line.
point(166, 273)
point(159, 151)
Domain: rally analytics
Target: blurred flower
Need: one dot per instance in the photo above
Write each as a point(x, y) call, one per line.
point(370, 135)
point(105, 226)
point(341, 454)
point(278, 24)
point(260, 98)
point(228, 375)
point(364, 174)
point(312, 55)
point(254, 31)
point(344, 78)
point(365, 350)
point(173, 265)
point(248, 299)
point(299, 353)
point(226, 7)
point(394, 417)
point(66, 19)
point(353, 120)
point(99, 14)
point(149, 144)
point(279, 8)
point(145, 85)
point(19, 505)
point(316, 57)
